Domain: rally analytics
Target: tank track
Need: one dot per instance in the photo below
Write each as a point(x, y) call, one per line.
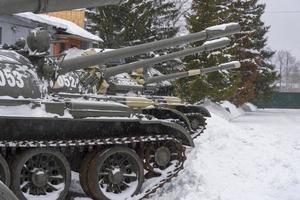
point(90, 144)
point(194, 133)
point(201, 127)
point(198, 132)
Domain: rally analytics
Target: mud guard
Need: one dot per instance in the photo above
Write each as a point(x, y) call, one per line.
point(177, 131)
point(193, 109)
point(166, 113)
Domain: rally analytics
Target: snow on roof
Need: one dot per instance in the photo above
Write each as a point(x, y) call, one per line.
point(67, 26)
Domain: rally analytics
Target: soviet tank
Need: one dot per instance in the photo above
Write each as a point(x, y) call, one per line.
point(44, 137)
point(141, 103)
point(195, 114)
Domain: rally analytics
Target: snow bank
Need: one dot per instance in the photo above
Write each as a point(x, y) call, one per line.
point(225, 109)
point(252, 157)
point(217, 109)
point(249, 107)
point(234, 111)
point(248, 158)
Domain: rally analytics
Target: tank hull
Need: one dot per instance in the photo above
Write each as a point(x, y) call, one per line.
point(19, 129)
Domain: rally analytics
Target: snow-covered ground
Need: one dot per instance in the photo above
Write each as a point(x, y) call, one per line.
point(253, 157)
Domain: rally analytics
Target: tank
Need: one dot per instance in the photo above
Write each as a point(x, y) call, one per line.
point(151, 108)
point(88, 81)
point(115, 148)
point(166, 113)
point(44, 137)
point(195, 114)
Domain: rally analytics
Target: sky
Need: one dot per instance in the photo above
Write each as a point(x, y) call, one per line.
point(284, 18)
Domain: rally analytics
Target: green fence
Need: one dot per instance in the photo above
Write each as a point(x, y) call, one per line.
point(281, 100)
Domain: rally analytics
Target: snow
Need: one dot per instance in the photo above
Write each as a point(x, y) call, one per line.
point(250, 157)
point(28, 111)
point(211, 42)
point(249, 107)
point(185, 9)
point(221, 27)
point(123, 79)
point(58, 23)
point(234, 111)
point(73, 53)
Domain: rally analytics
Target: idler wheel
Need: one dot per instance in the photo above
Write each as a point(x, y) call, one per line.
point(40, 173)
point(115, 174)
point(4, 171)
point(195, 123)
point(162, 156)
point(196, 120)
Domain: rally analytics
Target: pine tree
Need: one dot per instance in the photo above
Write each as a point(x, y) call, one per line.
point(134, 22)
point(218, 85)
point(254, 79)
point(258, 74)
point(137, 22)
point(128, 24)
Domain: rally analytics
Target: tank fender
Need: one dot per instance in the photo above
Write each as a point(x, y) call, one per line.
point(193, 109)
point(204, 111)
point(175, 114)
point(175, 130)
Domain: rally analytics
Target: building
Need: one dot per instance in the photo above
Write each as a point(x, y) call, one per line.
point(65, 34)
point(77, 17)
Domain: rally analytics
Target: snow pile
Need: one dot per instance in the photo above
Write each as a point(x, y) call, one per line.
point(123, 79)
point(154, 72)
point(249, 107)
point(29, 111)
point(232, 109)
point(227, 110)
point(217, 109)
point(252, 157)
point(58, 23)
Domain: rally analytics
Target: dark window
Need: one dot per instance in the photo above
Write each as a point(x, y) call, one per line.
point(0, 35)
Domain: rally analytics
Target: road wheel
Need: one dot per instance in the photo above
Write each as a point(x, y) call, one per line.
point(116, 173)
point(40, 173)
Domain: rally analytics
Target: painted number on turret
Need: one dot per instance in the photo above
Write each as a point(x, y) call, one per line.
point(66, 81)
point(11, 78)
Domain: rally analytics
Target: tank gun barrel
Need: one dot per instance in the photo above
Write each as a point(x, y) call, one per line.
point(225, 66)
point(102, 58)
point(8, 7)
point(207, 46)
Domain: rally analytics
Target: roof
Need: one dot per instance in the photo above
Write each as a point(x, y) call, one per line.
point(67, 26)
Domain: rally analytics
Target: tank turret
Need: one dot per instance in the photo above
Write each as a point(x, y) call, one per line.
point(225, 66)
point(8, 7)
